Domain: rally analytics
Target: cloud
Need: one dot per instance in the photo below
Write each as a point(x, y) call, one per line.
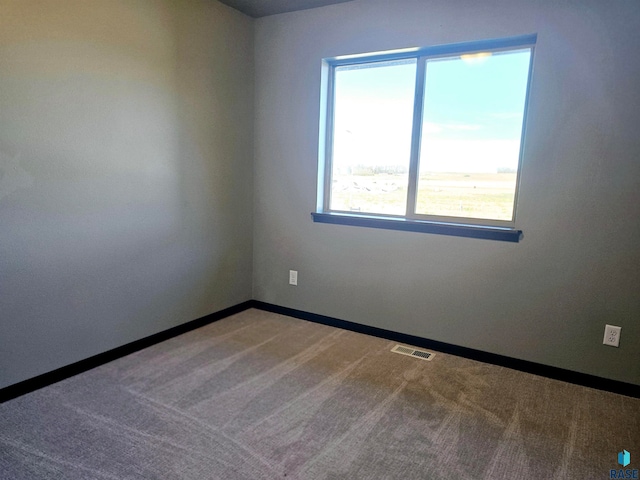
point(506, 115)
point(431, 127)
point(462, 126)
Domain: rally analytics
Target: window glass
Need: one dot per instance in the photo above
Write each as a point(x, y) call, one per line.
point(471, 133)
point(373, 113)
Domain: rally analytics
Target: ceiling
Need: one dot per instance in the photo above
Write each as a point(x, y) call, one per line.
point(262, 8)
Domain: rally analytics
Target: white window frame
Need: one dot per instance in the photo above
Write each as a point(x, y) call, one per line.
point(460, 226)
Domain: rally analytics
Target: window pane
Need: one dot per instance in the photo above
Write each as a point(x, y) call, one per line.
point(373, 111)
point(471, 129)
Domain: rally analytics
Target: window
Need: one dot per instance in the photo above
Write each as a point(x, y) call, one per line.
point(426, 139)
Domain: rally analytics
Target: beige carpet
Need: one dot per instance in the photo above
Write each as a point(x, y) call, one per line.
point(264, 396)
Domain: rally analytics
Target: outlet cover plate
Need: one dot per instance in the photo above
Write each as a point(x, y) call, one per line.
point(611, 335)
point(293, 277)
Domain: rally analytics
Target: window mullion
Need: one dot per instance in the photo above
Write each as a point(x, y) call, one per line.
point(416, 131)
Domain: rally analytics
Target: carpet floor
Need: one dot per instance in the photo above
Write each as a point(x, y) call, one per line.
point(264, 396)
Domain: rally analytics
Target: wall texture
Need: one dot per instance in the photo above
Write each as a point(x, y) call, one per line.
point(125, 173)
point(545, 299)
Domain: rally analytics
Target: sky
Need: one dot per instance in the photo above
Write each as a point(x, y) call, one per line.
point(472, 113)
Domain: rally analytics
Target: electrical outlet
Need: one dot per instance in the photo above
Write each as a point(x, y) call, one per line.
point(293, 277)
point(611, 335)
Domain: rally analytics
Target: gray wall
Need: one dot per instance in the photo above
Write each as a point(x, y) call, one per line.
point(125, 173)
point(545, 299)
point(126, 207)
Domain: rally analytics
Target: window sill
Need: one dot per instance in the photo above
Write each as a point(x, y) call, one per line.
point(457, 230)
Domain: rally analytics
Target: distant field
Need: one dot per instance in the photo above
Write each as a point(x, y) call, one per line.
point(475, 195)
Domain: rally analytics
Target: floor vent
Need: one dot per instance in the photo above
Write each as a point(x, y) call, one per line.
point(412, 352)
